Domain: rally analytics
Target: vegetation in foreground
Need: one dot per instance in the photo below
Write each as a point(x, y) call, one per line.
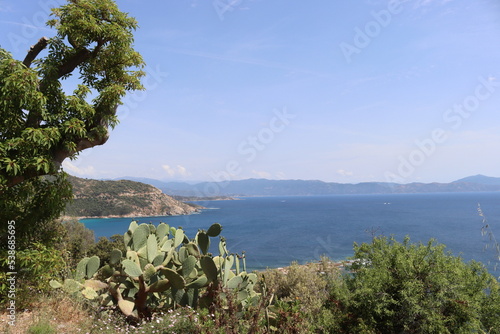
point(392, 287)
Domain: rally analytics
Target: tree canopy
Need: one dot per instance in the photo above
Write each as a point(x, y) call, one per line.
point(41, 123)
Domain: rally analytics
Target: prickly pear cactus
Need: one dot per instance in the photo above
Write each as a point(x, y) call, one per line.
point(161, 268)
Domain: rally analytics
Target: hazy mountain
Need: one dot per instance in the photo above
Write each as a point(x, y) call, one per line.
point(264, 187)
point(481, 179)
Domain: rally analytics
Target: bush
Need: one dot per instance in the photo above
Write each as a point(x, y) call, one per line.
point(298, 284)
point(415, 288)
point(78, 240)
point(36, 266)
point(301, 293)
point(490, 314)
point(103, 247)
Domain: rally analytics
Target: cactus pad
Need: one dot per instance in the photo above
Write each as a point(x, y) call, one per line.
point(214, 230)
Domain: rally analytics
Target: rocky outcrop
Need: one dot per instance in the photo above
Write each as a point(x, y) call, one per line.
point(94, 198)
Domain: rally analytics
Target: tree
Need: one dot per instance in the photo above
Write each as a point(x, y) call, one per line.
point(416, 288)
point(34, 206)
point(103, 247)
point(40, 123)
point(78, 240)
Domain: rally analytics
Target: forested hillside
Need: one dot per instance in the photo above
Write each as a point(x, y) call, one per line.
point(94, 198)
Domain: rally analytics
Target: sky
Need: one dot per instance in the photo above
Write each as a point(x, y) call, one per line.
point(339, 91)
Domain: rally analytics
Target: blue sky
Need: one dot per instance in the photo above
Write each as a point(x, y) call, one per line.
point(342, 91)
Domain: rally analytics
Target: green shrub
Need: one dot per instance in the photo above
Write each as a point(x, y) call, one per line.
point(301, 293)
point(415, 288)
point(490, 312)
point(103, 247)
point(78, 240)
point(35, 267)
point(298, 283)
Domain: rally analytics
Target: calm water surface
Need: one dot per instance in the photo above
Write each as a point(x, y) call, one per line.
point(274, 231)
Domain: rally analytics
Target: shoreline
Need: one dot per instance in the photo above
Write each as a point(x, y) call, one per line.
point(65, 218)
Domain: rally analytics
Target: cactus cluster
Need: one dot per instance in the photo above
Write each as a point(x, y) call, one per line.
point(163, 268)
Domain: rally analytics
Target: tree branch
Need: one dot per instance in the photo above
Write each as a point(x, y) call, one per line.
point(81, 145)
point(79, 57)
point(35, 50)
point(70, 64)
point(58, 157)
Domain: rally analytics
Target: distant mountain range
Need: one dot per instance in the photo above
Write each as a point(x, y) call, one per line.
point(481, 179)
point(264, 187)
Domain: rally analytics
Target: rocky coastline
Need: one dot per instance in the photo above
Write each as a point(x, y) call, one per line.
point(112, 199)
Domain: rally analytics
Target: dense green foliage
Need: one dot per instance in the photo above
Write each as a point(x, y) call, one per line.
point(415, 288)
point(104, 246)
point(38, 264)
point(78, 240)
point(41, 124)
point(34, 205)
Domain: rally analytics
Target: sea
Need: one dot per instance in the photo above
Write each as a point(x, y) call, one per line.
point(276, 231)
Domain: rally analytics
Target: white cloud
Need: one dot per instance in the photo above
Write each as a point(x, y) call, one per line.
point(175, 171)
point(72, 169)
point(261, 174)
point(168, 169)
point(280, 175)
point(345, 172)
point(182, 170)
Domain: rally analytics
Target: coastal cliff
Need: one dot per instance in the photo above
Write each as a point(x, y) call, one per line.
point(95, 198)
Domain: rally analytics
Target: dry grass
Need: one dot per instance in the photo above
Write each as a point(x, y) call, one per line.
point(65, 316)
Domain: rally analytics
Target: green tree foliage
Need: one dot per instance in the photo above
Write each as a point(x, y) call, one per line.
point(78, 240)
point(103, 247)
point(416, 288)
point(41, 124)
point(34, 206)
point(37, 265)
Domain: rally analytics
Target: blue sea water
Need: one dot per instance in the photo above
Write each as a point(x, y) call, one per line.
point(274, 231)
